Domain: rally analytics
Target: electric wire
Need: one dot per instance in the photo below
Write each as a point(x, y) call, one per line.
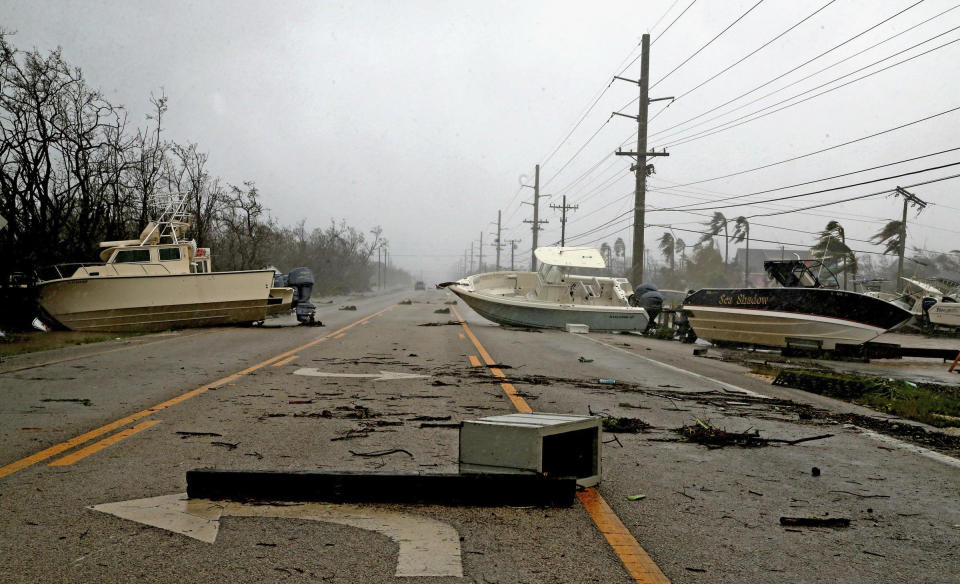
point(805, 63)
point(822, 150)
point(743, 119)
point(723, 126)
point(659, 36)
point(697, 52)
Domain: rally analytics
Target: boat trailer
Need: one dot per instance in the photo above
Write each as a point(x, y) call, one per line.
point(868, 351)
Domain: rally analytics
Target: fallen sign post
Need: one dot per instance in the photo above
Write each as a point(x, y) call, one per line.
point(383, 487)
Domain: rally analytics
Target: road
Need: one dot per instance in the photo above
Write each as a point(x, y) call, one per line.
point(146, 410)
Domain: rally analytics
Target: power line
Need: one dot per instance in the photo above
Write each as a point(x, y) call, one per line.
point(734, 197)
point(669, 25)
point(697, 52)
point(822, 150)
point(807, 62)
point(839, 188)
point(859, 197)
point(755, 51)
point(730, 124)
point(801, 80)
point(720, 128)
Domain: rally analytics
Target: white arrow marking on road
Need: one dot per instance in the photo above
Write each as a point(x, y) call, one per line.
point(382, 376)
point(427, 547)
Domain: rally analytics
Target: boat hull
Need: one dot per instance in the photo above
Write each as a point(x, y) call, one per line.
point(945, 314)
point(521, 313)
point(778, 317)
point(157, 302)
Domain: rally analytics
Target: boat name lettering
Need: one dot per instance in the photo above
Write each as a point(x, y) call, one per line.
point(743, 299)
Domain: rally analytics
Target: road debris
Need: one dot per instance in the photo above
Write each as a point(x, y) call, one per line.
point(583, 359)
point(185, 434)
point(636, 497)
point(376, 453)
point(449, 322)
point(405, 301)
point(348, 307)
point(77, 400)
point(227, 445)
point(624, 425)
point(442, 311)
point(703, 433)
point(815, 521)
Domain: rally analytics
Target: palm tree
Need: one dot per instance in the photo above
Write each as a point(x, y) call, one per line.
point(681, 248)
point(668, 247)
point(892, 236)
point(741, 231)
point(832, 243)
point(605, 251)
point(714, 225)
point(620, 250)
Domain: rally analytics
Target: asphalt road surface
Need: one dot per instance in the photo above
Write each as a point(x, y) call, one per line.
point(121, 421)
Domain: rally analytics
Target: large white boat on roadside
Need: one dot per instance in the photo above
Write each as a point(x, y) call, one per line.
point(156, 282)
point(936, 308)
point(803, 313)
point(554, 295)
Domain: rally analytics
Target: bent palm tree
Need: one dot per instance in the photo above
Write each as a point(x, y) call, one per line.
point(717, 223)
point(893, 237)
point(668, 247)
point(831, 246)
point(680, 246)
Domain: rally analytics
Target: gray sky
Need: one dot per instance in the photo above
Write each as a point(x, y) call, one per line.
point(422, 116)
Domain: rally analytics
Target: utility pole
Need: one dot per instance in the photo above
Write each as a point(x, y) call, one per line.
point(908, 199)
point(536, 219)
point(471, 257)
point(513, 246)
point(497, 241)
point(480, 263)
point(464, 274)
point(641, 168)
point(563, 218)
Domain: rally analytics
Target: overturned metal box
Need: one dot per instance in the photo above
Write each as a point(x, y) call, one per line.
point(547, 444)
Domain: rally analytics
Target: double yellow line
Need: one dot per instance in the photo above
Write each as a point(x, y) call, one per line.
point(56, 449)
point(635, 559)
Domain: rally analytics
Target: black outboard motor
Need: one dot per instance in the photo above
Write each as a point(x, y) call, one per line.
point(301, 280)
point(648, 298)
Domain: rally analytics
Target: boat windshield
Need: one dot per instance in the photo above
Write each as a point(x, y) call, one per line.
point(796, 273)
point(551, 274)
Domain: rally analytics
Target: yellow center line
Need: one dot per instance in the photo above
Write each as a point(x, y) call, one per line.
point(461, 335)
point(635, 559)
point(98, 446)
point(285, 361)
point(87, 436)
point(341, 335)
point(474, 362)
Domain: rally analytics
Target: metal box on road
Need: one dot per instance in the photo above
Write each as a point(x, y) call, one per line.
point(542, 443)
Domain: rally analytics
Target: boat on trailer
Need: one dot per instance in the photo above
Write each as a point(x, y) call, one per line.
point(554, 296)
point(156, 282)
point(804, 313)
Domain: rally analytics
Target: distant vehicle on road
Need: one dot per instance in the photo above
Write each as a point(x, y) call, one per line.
point(419, 285)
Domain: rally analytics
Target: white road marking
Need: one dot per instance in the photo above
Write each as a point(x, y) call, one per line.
point(729, 386)
point(382, 376)
point(931, 454)
point(427, 547)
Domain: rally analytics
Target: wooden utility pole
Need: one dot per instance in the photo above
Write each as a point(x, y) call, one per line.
point(513, 246)
point(908, 199)
point(471, 257)
point(497, 241)
point(641, 168)
point(480, 262)
point(563, 218)
point(536, 219)
point(464, 263)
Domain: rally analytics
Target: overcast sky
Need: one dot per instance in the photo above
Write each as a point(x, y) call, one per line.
point(422, 116)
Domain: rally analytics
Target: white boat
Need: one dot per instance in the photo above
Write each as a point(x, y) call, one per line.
point(553, 296)
point(935, 308)
point(804, 313)
point(156, 282)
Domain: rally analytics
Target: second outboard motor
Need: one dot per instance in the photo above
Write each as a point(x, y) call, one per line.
point(301, 280)
point(648, 298)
